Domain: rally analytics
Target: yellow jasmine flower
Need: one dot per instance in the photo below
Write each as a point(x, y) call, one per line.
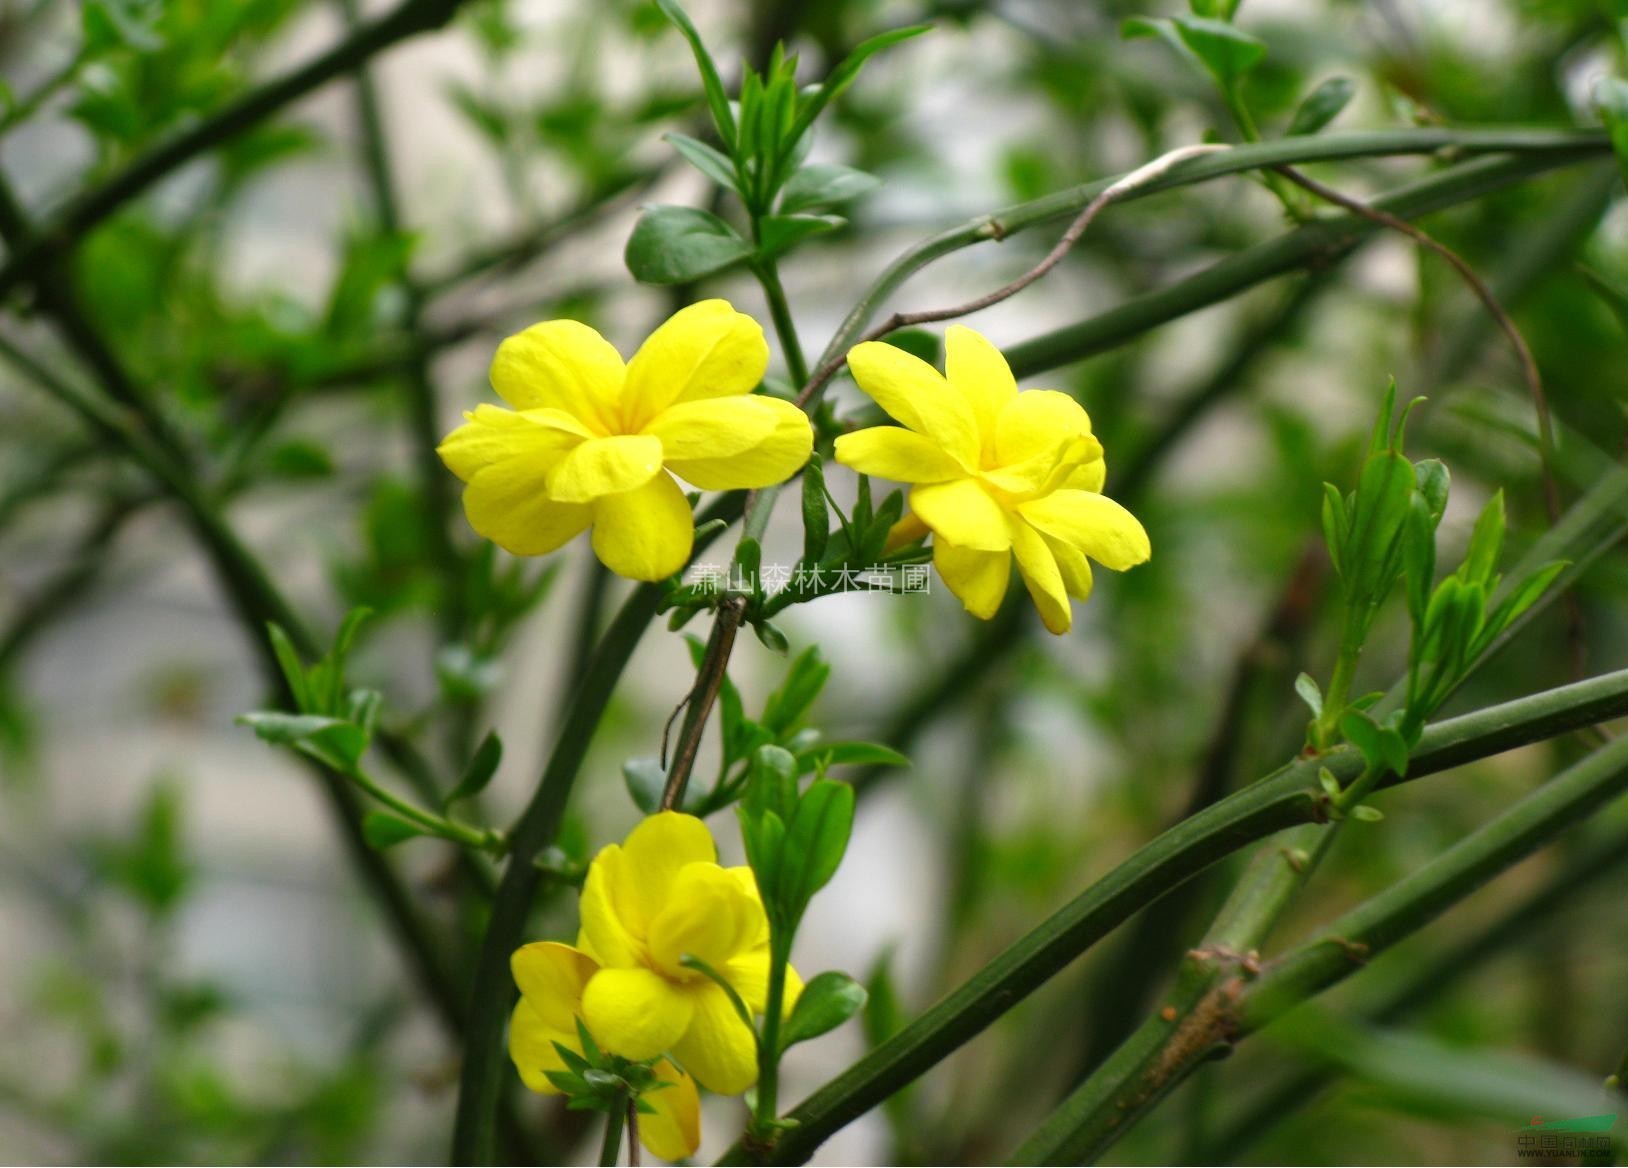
point(551, 978)
point(994, 473)
point(592, 442)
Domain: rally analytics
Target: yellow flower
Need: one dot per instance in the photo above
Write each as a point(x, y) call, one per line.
point(551, 977)
point(590, 442)
point(995, 474)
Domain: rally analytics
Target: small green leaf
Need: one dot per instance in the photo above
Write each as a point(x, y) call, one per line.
point(482, 766)
point(1322, 105)
point(1381, 747)
point(704, 158)
point(717, 99)
point(382, 830)
point(773, 639)
point(286, 729)
point(1485, 542)
point(805, 679)
point(1326, 779)
point(844, 74)
point(1522, 597)
point(1366, 813)
point(1227, 52)
point(1434, 484)
point(816, 520)
point(854, 754)
point(828, 1000)
point(672, 245)
point(645, 782)
point(823, 185)
point(1306, 686)
point(771, 783)
point(778, 234)
point(816, 838)
point(288, 660)
point(1336, 527)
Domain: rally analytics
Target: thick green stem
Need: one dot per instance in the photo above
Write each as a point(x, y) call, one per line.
point(768, 1047)
point(1238, 1002)
point(780, 312)
point(1288, 797)
point(1287, 151)
point(611, 1147)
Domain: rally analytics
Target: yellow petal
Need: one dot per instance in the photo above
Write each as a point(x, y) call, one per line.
point(613, 925)
point(963, 513)
point(907, 531)
point(917, 396)
point(891, 452)
point(1042, 577)
point(1088, 476)
point(708, 915)
point(635, 1013)
point(979, 370)
point(717, 1048)
point(645, 533)
point(1071, 562)
point(1036, 422)
point(672, 1128)
point(716, 428)
point(653, 855)
point(492, 434)
point(703, 351)
point(551, 976)
point(531, 1047)
point(605, 466)
point(749, 975)
point(563, 365)
point(978, 579)
point(508, 504)
point(777, 456)
point(1094, 523)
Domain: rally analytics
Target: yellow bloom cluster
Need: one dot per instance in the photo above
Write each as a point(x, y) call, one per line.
point(994, 474)
point(646, 904)
point(590, 442)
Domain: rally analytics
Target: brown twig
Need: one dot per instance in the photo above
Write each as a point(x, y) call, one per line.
point(632, 1131)
point(1136, 178)
point(709, 679)
point(1523, 354)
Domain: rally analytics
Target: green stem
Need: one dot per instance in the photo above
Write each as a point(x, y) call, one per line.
point(1314, 244)
point(768, 275)
point(611, 1147)
point(65, 230)
point(460, 833)
point(1290, 796)
point(1325, 728)
point(1008, 221)
point(1163, 1054)
point(768, 1047)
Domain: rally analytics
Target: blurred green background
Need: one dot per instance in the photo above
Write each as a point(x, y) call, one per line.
point(189, 970)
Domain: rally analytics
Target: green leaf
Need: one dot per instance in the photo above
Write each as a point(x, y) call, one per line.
point(288, 660)
point(1322, 105)
point(771, 783)
point(1146, 28)
point(828, 1000)
point(1522, 597)
point(816, 838)
point(772, 638)
point(823, 185)
point(844, 74)
point(805, 679)
point(286, 729)
point(717, 99)
point(1336, 527)
point(704, 158)
point(778, 234)
point(1434, 484)
point(382, 830)
point(673, 245)
point(1485, 542)
point(1366, 813)
point(1226, 52)
point(1382, 747)
point(1306, 686)
point(1326, 780)
point(482, 766)
point(816, 520)
point(645, 782)
point(854, 754)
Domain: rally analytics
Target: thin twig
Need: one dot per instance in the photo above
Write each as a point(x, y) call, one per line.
point(1139, 177)
point(709, 679)
point(632, 1132)
point(1523, 354)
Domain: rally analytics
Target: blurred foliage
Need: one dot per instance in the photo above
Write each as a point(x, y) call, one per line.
point(278, 308)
